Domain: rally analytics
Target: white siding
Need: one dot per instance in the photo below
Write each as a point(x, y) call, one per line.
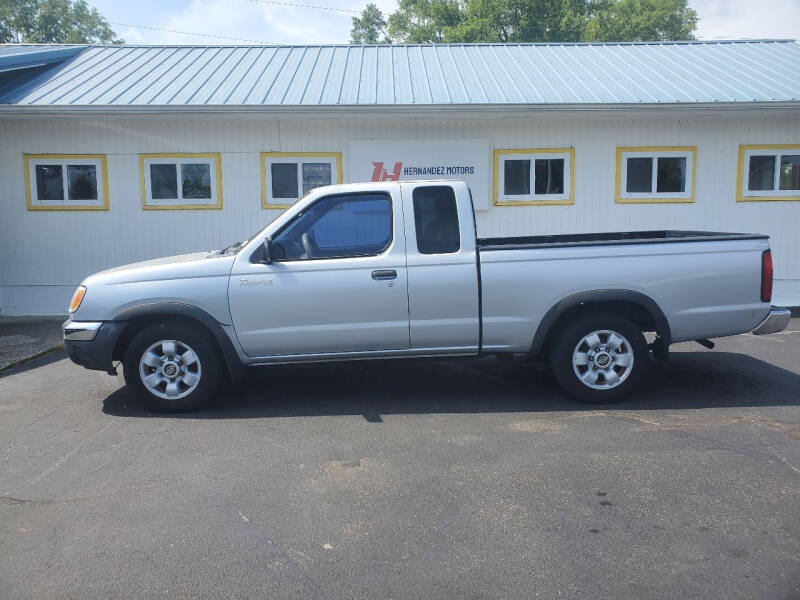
point(45, 254)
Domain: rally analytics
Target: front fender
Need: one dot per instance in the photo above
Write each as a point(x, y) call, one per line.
point(158, 310)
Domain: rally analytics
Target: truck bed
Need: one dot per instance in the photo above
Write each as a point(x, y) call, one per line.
point(664, 236)
point(706, 284)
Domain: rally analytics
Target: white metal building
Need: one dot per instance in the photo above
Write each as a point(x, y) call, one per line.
point(110, 155)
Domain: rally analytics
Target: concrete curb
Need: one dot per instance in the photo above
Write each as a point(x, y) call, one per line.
point(26, 359)
point(25, 338)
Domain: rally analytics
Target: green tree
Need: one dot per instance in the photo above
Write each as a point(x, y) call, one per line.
point(53, 21)
point(641, 20)
point(528, 20)
point(370, 27)
point(425, 21)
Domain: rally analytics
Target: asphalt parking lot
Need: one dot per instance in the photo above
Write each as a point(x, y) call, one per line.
point(473, 479)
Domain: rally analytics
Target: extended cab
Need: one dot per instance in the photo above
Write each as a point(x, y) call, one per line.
point(395, 269)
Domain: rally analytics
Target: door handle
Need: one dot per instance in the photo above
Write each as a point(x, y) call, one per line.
point(383, 274)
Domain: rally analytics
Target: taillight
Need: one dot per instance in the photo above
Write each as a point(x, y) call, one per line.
point(766, 276)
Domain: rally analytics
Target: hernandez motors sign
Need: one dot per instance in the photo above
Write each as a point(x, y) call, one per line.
point(396, 160)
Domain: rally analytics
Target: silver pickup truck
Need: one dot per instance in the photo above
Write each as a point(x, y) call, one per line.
point(394, 269)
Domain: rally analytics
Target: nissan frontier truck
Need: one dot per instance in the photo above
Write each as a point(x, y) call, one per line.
point(395, 270)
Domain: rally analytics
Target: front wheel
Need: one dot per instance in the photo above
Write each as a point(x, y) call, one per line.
point(172, 367)
point(599, 357)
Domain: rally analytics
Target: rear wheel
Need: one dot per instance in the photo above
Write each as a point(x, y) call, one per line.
point(599, 357)
point(172, 367)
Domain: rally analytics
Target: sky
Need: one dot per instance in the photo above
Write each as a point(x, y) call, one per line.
point(321, 22)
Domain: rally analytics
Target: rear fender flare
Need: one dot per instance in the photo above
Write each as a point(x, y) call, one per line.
point(598, 297)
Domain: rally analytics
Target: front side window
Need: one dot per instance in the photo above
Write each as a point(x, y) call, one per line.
point(769, 173)
point(655, 174)
point(288, 176)
point(534, 176)
point(181, 181)
point(66, 182)
point(343, 226)
point(436, 219)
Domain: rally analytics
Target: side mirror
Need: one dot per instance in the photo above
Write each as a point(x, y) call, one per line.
point(267, 260)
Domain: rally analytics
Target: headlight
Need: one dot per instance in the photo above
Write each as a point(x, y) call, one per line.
point(77, 298)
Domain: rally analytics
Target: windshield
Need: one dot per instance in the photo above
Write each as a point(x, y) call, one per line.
point(236, 246)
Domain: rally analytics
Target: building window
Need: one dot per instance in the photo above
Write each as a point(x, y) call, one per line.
point(181, 181)
point(66, 181)
point(769, 173)
point(534, 176)
point(288, 176)
point(648, 175)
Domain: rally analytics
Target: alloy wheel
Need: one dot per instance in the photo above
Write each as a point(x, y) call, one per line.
point(170, 369)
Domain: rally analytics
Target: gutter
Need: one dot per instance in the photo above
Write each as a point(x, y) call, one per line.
point(511, 109)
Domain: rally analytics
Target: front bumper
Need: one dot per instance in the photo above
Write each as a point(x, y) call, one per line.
point(91, 344)
point(80, 331)
point(775, 321)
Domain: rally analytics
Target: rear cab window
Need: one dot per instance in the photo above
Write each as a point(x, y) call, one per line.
point(436, 220)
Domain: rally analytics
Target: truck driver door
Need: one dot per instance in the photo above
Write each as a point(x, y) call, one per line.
point(337, 283)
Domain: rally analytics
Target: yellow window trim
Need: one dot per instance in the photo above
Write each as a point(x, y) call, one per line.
point(740, 197)
point(216, 156)
point(265, 155)
point(618, 199)
point(103, 170)
point(496, 154)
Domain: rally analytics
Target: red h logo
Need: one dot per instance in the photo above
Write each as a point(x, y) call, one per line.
point(381, 174)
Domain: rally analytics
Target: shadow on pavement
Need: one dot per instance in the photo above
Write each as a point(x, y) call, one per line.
point(486, 385)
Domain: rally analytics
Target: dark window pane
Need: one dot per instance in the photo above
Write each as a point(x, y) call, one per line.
point(790, 172)
point(360, 225)
point(671, 175)
point(761, 175)
point(549, 176)
point(640, 176)
point(517, 177)
point(284, 180)
point(315, 175)
point(163, 182)
point(436, 220)
point(338, 227)
point(196, 181)
point(82, 182)
point(49, 182)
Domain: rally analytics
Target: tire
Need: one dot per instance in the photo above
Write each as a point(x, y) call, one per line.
point(599, 369)
point(172, 367)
